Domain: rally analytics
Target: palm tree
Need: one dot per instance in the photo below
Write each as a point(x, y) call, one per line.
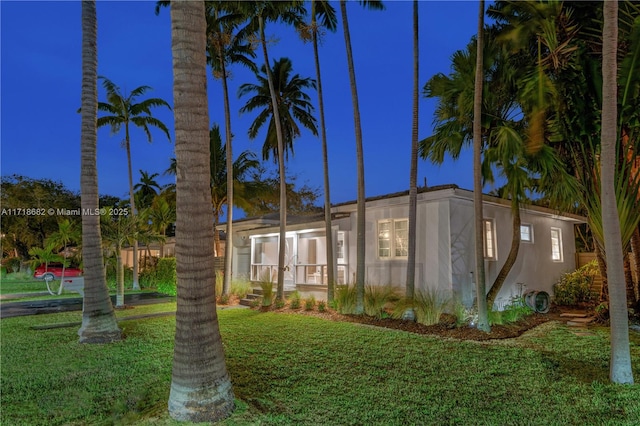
point(244, 164)
point(620, 366)
point(292, 104)
point(161, 214)
point(227, 46)
point(147, 189)
point(98, 318)
point(66, 234)
point(124, 110)
point(360, 209)
point(327, 15)
point(259, 13)
point(413, 172)
point(118, 232)
point(483, 320)
point(203, 393)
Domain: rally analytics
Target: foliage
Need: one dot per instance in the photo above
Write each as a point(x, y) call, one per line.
point(267, 290)
point(240, 288)
point(511, 313)
point(310, 303)
point(575, 287)
point(294, 300)
point(462, 314)
point(280, 303)
point(561, 376)
point(322, 306)
point(345, 300)
point(375, 299)
point(23, 231)
point(162, 277)
point(219, 282)
point(428, 306)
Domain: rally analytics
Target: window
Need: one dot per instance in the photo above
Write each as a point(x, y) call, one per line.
point(489, 240)
point(556, 244)
point(393, 238)
point(526, 233)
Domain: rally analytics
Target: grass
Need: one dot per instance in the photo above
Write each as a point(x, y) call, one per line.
point(300, 370)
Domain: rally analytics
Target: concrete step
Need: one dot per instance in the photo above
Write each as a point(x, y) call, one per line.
point(580, 322)
point(570, 315)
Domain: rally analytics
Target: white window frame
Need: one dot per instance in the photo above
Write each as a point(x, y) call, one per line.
point(530, 232)
point(489, 239)
point(556, 245)
point(392, 239)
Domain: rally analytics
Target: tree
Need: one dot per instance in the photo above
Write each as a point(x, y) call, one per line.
point(483, 321)
point(98, 318)
point(203, 393)
point(360, 207)
point(146, 190)
point(66, 234)
point(123, 110)
point(327, 15)
point(620, 363)
point(227, 46)
point(291, 104)
point(40, 255)
point(117, 232)
point(289, 12)
point(161, 214)
point(413, 172)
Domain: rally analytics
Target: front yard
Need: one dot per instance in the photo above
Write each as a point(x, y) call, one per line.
point(297, 370)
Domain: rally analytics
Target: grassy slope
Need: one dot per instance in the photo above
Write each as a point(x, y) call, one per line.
point(296, 370)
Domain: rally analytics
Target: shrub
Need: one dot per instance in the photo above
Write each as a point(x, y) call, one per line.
point(279, 303)
point(345, 299)
point(462, 314)
point(513, 312)
point(165, 276)
point(267, 292)
point(575, 287)
point(322, 306)
point(428, 306)
point(294, 300)
point(219, 282)
point(375, 299)
point(240, 288)
point(223, 299)
point(310, 303)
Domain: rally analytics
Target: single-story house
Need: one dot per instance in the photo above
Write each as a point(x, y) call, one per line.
point(444, 248)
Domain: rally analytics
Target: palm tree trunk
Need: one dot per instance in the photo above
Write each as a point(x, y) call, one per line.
point(331, 263)
point(98, 318)
point(413, 171)
point(132, 201)
point(360, 208)
point(281, 167)
point(228, 247)
point(602, 266)
point(483, 320)
point(120, 277)
point(511, 258)
point(200, 385)
point(620, 370)
point(64, 265)
point(635, 252)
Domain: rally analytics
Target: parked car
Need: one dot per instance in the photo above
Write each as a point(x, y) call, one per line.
point(54, 271)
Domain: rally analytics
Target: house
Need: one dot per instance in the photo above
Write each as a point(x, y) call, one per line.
point(444, 249)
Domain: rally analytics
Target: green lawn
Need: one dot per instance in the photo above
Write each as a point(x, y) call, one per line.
point(298, 370)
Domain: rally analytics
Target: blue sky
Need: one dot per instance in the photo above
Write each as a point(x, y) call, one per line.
point(40, 86)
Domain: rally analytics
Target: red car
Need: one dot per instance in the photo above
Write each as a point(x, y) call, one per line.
point(54, 271)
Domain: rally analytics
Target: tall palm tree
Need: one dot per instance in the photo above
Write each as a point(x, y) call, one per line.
point(328, 19)
point(227, 45)
point(413, 172)
point(292, 104)
point(67, 233)
point(98, 318)
point(124, 110)
point(360, 208)
point(259, 13)
point(483, 320)
point(203, 393)
point(620, 367)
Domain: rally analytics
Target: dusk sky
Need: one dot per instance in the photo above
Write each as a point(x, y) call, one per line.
point(41, 73)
